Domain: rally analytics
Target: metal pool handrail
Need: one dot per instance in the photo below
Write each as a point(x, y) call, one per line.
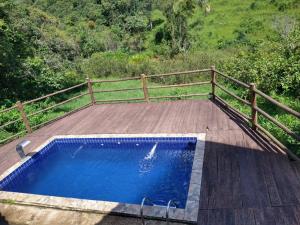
point(170, 203)
point(142, 208)
point(168, 209)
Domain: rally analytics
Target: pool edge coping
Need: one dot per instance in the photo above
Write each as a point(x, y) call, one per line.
point(188, 214)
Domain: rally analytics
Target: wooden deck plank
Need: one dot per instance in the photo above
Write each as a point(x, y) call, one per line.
point(235, 174)
point(204, 195)
point(265, 216)
point(289, 215)
point(284, 176)
point(201, 116)
point(244, 217)
point(154, 112)
point(212, 174)
point(271, 183)
point(221, 217)
point(244, 181)
point(224, 191)
point(253, 187)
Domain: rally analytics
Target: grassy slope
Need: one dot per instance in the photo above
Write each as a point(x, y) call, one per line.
point(226, 17)
point(220, 24)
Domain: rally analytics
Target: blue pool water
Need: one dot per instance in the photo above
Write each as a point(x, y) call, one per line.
point(109, 169)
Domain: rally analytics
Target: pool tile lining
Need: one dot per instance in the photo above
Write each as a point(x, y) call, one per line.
point(189, 214)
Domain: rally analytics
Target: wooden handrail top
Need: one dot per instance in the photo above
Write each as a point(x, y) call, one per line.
point(55, 93)
point(283, 127)
point(280, 105)
point(233, 79)
point(116, 90)
point(232, 94)
point(180, 85)
point(179, 73)
point(116, 80)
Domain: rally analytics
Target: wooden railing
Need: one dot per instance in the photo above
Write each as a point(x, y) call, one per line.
point(144, 87)
point(25, 117)
point(255, 110)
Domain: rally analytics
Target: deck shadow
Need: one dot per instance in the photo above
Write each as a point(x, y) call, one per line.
point(262, 141)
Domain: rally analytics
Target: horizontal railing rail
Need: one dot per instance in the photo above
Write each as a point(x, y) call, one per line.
point(281, 146)
point(179, 73)
point(180, 85)
point(8, 109)
point(284, 107)
point(245, 117)
point(116, 80)
point(232, 79)
point(55, 93)
point(117, 90)
point(233, 95)
point(280, 125)
point(120, 100)
point(58, 104)
point(144, 89)
point(10, 123)
point(62, 116)
point(12, 136)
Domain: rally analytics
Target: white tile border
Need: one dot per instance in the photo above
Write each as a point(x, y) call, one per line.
point(189, 214)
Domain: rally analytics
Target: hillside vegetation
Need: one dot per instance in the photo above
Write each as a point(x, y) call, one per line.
point(47, 45)
point(53, 44)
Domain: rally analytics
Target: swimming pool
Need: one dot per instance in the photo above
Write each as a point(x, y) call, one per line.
point(112, 168)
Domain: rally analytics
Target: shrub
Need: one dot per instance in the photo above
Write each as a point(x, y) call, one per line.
point(273, 66)
point(105, 64)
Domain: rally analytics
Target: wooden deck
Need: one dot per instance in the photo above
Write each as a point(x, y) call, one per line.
point(245, 181)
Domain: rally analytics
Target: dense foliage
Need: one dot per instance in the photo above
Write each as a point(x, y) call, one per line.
point(47, 45)
point(35, 59)
point(273, 66)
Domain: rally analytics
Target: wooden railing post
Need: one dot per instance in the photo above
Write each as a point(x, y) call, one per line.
point(89, 82)
point(24, 116)
point(213, 82)
point(253, 106)
point(145, 87)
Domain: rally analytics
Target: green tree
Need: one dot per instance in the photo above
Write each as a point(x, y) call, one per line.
point(177, 13)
